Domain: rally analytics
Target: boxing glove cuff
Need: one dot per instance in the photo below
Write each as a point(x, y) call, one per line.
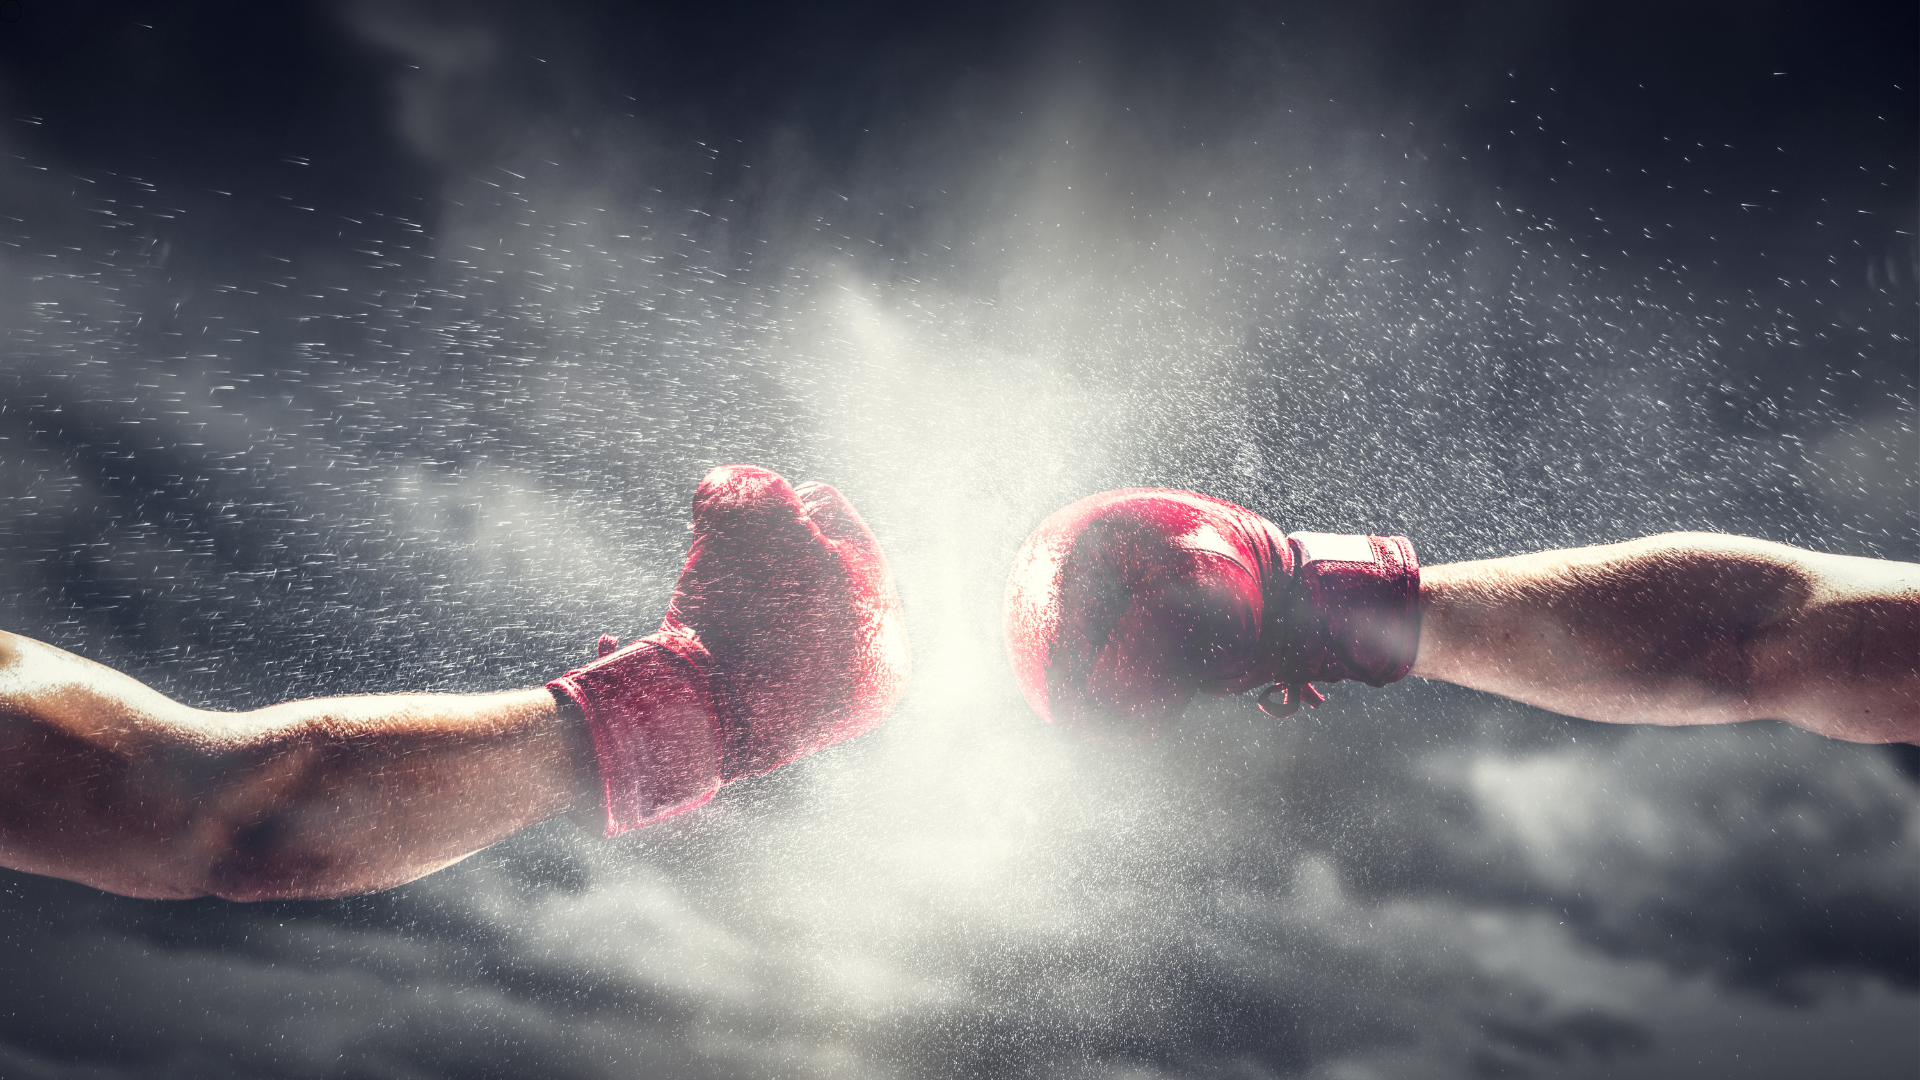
point(655, 724)
point(1354, 612)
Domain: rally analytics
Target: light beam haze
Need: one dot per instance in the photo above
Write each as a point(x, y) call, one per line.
point(320, 440)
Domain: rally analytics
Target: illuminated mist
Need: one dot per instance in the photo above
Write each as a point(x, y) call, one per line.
point(440, 435)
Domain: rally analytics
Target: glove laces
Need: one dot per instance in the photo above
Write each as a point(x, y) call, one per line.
point(1292, 696)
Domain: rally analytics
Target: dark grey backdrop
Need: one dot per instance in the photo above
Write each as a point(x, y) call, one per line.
point(356, 347)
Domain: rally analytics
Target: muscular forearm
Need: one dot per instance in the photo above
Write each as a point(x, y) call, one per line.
point(1685, 628)
point(785, 636)
point(336, 796)
point(112, 784)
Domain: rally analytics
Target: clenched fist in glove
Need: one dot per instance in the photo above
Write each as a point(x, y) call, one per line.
point(1125, 604)
point(784, 636)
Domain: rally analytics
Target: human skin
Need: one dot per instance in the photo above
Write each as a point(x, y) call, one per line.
point(110, 783)
point(1685, 628)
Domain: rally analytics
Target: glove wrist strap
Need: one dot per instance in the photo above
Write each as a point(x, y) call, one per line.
point(655, 727)
point(1364, 593)
point(1355, 613)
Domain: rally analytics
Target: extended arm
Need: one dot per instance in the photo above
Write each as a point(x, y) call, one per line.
point(110, 783)
point(784, 636)
point(1685, 628)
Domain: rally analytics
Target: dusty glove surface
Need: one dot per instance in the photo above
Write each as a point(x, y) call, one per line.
point(1123, 605)
point(784, 637)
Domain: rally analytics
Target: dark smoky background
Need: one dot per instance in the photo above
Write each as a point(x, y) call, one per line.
point(361, 347)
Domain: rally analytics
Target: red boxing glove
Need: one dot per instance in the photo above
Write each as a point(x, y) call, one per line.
point(1125, 604)
point(784, 637)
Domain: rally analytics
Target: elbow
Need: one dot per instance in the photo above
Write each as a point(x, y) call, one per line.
point(1844, 668)
point(262, 833)
point(179, 807)
point(162, 824)
point(185, 852)
point(286, 823)
point(1845, 709)
point(257, 861)
point(287, 852)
